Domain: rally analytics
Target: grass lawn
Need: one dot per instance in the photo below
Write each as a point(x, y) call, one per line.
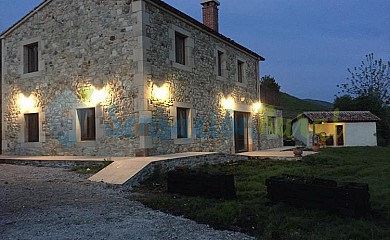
point(252, 213)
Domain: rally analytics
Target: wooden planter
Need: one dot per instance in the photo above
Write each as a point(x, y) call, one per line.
point(204, 185)
point(350, 199)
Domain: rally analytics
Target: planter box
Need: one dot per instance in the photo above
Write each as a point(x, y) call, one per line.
point(204, 185)
point(350, 199)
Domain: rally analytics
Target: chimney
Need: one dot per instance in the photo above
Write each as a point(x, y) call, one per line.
point(210, 13)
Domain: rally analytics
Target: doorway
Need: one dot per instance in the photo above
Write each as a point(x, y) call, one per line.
point(339, 135)
point(241, 131)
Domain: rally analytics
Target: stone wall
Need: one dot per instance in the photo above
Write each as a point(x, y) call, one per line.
point(82, 43)
point(161, 167)
point(268, 141)
point(197, 84)
point(125, 47)
point(1, 97)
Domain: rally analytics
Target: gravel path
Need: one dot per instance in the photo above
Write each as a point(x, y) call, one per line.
point(52, 203)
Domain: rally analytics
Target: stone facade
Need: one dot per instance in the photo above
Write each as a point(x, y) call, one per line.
point(127, 49)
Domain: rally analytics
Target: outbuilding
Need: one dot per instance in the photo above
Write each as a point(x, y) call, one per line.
point(336, 128)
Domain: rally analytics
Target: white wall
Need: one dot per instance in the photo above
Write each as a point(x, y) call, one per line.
point(360, 134)
point(300, 131)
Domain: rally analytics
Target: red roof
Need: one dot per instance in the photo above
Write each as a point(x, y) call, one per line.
point(341, 116)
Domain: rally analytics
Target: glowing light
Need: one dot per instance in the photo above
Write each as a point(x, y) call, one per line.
point(160, 93)
point(228, 103)
point(256, 107)
point(99, 96)
point(93, 95)
point(26, 103)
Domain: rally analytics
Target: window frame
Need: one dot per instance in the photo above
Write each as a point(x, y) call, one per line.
point(24, 62)
point(28, 131)
point(189, 43)
point(182, 123)
point(220, 68)
point(180, 44)
point(220, 56)
point(240, 71)
point(31, 58)
point(22, 132)
point(191, 131)
point(88, 120)
point(274, 126)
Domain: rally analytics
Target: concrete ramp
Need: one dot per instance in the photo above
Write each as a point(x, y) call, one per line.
point(134, 169)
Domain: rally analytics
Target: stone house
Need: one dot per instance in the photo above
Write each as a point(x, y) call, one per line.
point(128, 78)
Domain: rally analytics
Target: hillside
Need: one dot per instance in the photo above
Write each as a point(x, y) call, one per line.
point(292, 106)
point(324, 103)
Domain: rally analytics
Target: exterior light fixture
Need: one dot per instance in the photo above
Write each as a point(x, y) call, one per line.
point(93, 95)
point(256, 107)
point(98, 96)
point(26, 103)
point(228, 103)
point(160, 93)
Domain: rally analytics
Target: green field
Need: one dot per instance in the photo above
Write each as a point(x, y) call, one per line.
point(252, 213)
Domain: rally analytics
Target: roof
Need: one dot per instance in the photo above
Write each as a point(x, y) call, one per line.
point(163, 5)
point(340, 116)
point(204, 27)
point(26, 17)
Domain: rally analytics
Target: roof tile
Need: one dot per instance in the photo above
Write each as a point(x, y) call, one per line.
point(341, 116)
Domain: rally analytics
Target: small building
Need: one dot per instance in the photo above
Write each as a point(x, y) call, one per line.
point(128, 78)
point(336, 128)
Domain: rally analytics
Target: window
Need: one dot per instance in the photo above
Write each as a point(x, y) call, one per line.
point(31, 58)
point(31, 127)
point(86, 117)
point(219, 63)
point(272, 126)
point(180, 44)
point(240, 71)
point(182, 122)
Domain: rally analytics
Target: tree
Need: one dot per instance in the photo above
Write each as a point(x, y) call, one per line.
point(371, 78)
point(369, 90)
point(345, 102)
point(270, 91)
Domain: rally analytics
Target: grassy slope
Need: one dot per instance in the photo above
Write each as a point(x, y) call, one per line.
point(250, 212)
point(324, 103)
point(293, 106)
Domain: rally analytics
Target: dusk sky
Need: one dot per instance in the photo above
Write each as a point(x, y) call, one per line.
point(308, 44)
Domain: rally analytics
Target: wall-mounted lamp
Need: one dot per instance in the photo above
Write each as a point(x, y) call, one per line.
point(93, 95)
point(160, 93)
point(228, 103)
point(26, 103)
point(99, 96)
point(256, 107)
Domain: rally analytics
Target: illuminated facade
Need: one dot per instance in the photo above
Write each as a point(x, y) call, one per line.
point(128, 78)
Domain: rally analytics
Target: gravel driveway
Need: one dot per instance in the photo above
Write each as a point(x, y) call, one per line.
point(52, 203)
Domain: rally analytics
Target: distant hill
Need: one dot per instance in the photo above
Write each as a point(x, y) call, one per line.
point(323, 103)
point(292, 106)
